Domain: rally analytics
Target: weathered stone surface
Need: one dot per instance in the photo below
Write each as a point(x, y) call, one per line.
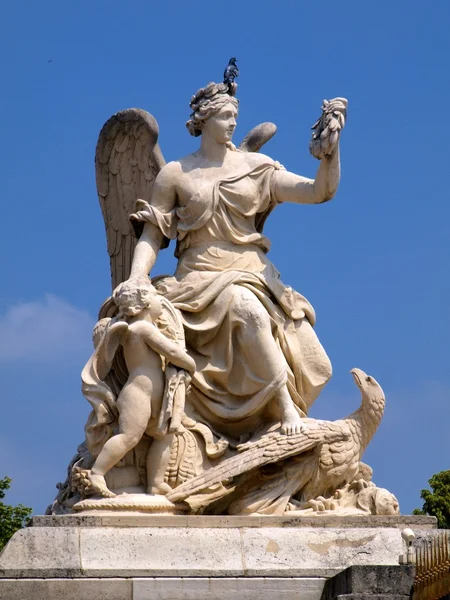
point(346, 586)
point(371, 580)
point(160, 552)
point(35, 551)
point(172, 588)
point(202, 521)
point(318, 552)
point(396, 579)
point(256, 588)
point(372, 597)
point(66, 589)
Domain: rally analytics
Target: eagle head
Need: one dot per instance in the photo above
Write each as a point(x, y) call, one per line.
point(368, 385)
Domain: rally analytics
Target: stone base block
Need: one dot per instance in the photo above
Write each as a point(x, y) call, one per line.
point(173, 588)
point(66, 589)
point(140, 557)
point(371, 582)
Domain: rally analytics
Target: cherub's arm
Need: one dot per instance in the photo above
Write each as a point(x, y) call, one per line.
point(162, 345)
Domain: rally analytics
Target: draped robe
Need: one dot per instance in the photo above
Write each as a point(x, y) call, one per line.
point(231, 297)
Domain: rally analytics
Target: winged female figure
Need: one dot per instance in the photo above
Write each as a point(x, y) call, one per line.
point(258, 358)
point(259, 363)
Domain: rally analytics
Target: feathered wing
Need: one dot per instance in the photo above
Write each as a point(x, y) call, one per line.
point(257, 137)
point(270, 448)
point(127, 161)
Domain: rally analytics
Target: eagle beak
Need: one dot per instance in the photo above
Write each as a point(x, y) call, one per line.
point(358, 376)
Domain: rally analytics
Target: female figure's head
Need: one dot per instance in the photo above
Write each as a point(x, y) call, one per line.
point(214, 112)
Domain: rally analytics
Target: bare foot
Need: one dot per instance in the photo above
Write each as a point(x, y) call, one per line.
point(291, 422)
point(161, 489)
point(98, 485)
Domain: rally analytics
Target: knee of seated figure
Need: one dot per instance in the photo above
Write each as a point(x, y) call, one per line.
point(248, 308)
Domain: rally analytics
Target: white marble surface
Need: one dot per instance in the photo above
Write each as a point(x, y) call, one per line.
point(161, 552)
point(196, 551)
point(173, 588)
point(66, 589)
point(46, 551)
point(226, 588)
point(201, 558)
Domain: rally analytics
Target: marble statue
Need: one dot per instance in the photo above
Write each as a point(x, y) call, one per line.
point(139, 403)
point(201, 382)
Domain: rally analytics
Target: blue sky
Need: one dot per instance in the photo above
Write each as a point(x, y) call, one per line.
point(373, 262)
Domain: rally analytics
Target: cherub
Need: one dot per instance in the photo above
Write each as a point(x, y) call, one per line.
point(140, 401)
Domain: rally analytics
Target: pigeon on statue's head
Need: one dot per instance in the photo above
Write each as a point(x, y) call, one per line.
point(231, 72)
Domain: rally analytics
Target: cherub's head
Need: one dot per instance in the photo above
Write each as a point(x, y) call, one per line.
point(136, 295)
point(214, 112)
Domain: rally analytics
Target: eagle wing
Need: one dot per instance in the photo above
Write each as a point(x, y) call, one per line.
point(270, 448)
point(341, 452)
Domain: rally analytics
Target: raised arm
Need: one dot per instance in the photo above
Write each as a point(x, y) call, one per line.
point(158, 222)
point(289, 187)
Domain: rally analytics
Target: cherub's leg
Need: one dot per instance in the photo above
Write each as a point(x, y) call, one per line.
point(134, 413)
point(157, 461)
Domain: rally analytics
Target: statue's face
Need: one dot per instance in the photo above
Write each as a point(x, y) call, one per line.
point(132, 302)
point(222, 124)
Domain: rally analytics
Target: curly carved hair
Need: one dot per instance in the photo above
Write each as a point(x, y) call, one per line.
point(208, 101)
point(134, 294)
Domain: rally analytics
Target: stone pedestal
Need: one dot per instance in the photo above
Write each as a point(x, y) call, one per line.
point(151, 557)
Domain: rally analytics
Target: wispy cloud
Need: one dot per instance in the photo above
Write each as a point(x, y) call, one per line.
point(49, 328)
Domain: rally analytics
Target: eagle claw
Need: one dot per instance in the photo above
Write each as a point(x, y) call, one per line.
point(321, 504)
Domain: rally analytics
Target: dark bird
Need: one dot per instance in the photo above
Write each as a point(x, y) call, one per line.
point(231, 72)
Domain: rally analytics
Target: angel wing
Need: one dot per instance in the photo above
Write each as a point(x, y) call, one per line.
point(257, 137)
point(127, 160)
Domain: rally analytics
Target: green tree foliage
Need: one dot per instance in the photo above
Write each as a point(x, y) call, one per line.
point(12, 518)
point(437, 502)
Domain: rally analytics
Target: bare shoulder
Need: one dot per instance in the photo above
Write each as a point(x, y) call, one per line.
point(143, 328)
point(187, 162)
point(256, 159)
point(169, 174)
